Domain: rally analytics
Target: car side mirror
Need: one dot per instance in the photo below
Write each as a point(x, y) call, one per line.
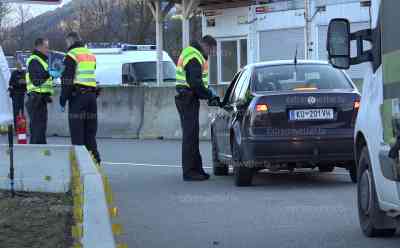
point(338, 43)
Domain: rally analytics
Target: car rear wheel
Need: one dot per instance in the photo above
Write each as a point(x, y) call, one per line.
point(219, 168)
point(326, 168)
point(372, 219)
point(243, 173)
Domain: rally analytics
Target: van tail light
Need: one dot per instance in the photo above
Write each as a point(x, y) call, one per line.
point(262, 108)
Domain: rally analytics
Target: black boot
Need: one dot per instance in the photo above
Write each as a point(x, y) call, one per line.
point(195, 177)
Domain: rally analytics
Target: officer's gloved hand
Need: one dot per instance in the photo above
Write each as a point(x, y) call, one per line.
point(394, 150)
point(47, 99)
point(98, 92)
point(55, 74)
point(11, 91)
point(214, 102)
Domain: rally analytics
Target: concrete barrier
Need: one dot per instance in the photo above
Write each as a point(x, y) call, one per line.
point(161, 119)
point(62, 169)
point(135, 112)
point(38, 168)
point(120, 113)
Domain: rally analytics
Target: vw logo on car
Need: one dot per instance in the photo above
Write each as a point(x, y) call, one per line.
point(311, 100)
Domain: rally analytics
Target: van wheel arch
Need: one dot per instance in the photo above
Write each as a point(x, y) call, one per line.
point(360, 143)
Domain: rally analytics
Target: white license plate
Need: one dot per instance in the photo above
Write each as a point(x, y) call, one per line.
point(311, 114)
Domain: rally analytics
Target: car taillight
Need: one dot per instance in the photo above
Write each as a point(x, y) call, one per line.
point(260, 116)
point(356, 105)
point(262, 108)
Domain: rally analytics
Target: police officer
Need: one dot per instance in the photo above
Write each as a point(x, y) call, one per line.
point(192, 85)
point(79, 88)
point(40, 89)
point(17, 90)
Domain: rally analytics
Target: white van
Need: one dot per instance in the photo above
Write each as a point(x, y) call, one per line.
point(377, 130)
point(130, 64)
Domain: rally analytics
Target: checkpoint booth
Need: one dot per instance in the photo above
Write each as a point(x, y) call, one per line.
point(6, 115)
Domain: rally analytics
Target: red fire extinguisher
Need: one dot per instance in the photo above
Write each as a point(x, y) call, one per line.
point(21, 129)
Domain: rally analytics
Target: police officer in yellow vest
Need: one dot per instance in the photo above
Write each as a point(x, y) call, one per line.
point(192, 85)
point(79, 88)
point(40, 89)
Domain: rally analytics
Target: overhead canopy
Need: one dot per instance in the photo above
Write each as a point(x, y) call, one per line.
point(219, 4)
point(222, 4)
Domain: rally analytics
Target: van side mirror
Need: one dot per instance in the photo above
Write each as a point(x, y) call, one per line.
point(338, 43)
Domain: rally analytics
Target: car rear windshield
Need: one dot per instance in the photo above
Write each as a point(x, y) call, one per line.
point(300, 77)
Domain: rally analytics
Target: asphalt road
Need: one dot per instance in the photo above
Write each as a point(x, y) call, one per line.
point(158, 209)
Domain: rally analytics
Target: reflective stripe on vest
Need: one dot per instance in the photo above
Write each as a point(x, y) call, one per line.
point(85, 73)
point(187, 55)
point(47, 86)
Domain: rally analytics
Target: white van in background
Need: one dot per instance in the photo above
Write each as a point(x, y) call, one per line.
point(126, 64)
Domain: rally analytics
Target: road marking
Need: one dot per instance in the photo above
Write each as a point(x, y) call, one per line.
point(145, 165)
point(206, 167)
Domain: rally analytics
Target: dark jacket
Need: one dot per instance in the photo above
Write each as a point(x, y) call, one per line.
point(17, 82)
point(37, 73)
point(68, 76)
point(194, 75)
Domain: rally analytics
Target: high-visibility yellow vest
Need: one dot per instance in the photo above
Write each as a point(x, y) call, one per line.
point(187, 55)
point(85, 66)
point(47, 86)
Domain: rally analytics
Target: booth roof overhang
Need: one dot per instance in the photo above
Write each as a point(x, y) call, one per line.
point(219, 4)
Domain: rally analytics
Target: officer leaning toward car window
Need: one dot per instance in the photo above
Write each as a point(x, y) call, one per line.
point(192, 85)
point(79, 88)
point(40, 89)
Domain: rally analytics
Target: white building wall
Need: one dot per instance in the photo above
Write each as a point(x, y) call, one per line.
point(227, 21)
point(226, 25)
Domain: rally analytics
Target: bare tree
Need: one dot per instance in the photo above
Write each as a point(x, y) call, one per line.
point(23, 15)
point(143, 21)
point(137, 20)
point(5, 9)
point(127, 18)
point(96, 19)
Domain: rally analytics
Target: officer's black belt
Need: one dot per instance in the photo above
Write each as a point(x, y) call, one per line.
point(184, 91)
point(84, 90)
point(38, 94)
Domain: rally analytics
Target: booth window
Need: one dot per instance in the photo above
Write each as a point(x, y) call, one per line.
point(213, 68)
point(243, 53)
point(229, 58)
point(233, 57)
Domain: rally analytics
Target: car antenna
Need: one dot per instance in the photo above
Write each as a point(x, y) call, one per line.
point(295, 62)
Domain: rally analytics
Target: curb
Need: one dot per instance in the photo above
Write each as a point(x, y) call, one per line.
point(63, 169)
point(93, 204)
